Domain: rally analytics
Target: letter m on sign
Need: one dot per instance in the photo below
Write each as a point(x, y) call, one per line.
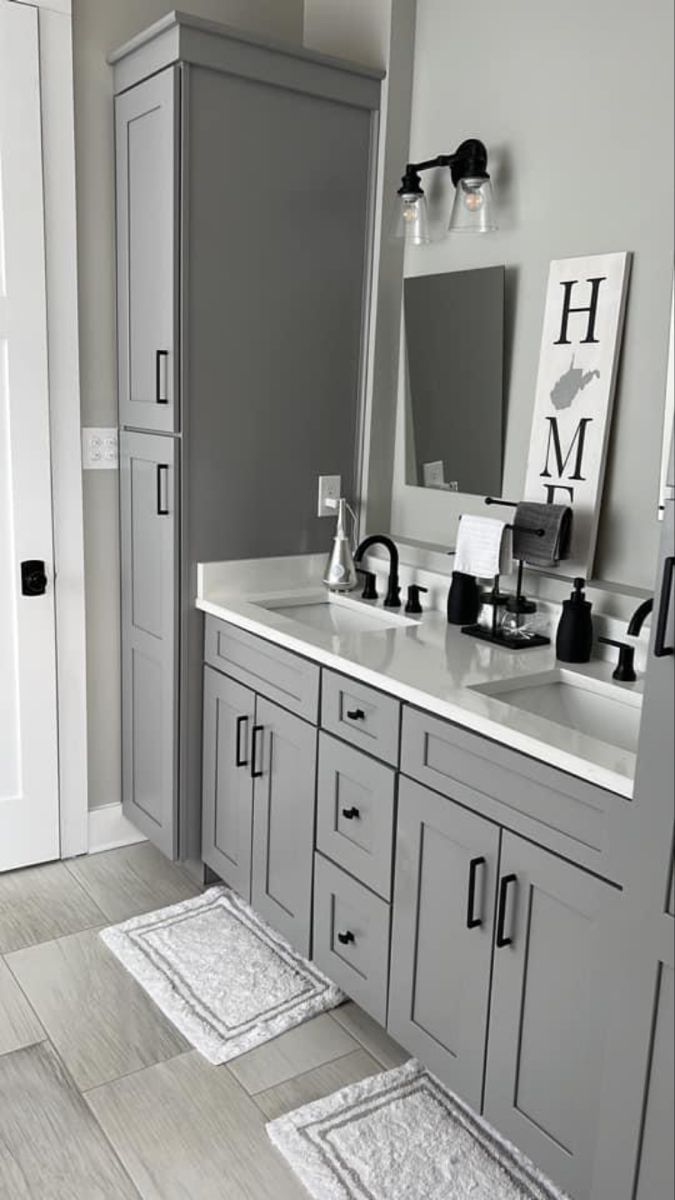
point(583, 322)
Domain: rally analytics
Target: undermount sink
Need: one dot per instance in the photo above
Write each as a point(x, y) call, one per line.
point(590, 706)
point(332, 613)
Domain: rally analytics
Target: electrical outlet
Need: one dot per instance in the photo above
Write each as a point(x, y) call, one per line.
point(329, 489)
point(100, 449)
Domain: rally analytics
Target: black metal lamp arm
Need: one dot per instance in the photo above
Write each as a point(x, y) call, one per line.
point(469, 159)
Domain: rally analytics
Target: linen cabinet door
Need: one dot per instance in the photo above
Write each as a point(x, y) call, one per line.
point(146, 144)
point(550, 1000)
point(149, 537)
point(283, 764)
point(227, 787)
point(446, 867)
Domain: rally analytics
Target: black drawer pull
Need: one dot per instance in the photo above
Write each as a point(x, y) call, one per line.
point(239, 757)
point(351, 814)
point(660, 648)
point(162, 498)
point(356, 714)
point(345, 938)
point(256, 772)
point(472, 921)
point(159, 397)
point(502, 939)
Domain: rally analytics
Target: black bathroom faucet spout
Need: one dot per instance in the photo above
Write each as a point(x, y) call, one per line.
point(639, 617)
point(393, 597)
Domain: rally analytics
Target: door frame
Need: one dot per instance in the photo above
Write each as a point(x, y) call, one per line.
point(58, 164)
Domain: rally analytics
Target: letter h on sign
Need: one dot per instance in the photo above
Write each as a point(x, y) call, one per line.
point(591, 309)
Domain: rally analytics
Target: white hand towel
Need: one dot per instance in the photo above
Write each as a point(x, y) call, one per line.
point(484, 547)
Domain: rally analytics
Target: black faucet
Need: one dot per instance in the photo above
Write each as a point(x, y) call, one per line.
point(625, 668)
point(393, 596)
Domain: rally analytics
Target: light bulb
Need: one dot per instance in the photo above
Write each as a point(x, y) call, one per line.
point(473, 199)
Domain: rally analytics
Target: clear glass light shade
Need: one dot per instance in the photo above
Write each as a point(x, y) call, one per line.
point(473, 209)
point(413, 224)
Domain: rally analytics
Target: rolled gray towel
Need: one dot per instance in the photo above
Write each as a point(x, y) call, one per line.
point(553, 545)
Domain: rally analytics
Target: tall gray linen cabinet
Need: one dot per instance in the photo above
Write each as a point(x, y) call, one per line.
point(245, 193)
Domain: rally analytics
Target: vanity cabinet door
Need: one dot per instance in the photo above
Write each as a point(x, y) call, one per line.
point(227, 787)
point(446, 867)
point(283, 763)
point(550, 1004)
point(146, 136)
point(149, 526)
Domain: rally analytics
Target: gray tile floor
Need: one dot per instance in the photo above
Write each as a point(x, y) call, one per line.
point(100, 1097)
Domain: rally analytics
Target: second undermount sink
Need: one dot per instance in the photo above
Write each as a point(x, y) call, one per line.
point(590, 706)
point(332, 613)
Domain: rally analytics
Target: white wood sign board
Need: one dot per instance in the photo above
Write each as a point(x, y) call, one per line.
point(583, 321)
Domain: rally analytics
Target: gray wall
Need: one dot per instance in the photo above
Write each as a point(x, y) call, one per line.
point(98, 27)
point(572, 101)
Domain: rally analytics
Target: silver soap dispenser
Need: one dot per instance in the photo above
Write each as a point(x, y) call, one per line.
point(340, 573)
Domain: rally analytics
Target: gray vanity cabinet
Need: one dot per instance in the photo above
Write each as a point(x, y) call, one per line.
point(259, 764)
point(548, 1011)
point(283, 759)
point(227, 786)
point(146, 133)
point(149, 498)
point(446, 869)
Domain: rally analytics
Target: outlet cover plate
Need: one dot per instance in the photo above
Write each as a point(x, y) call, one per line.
point(100, 449)
point(329, 489)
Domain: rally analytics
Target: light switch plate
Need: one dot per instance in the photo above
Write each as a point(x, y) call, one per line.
point(329, 489)
point(100, 449)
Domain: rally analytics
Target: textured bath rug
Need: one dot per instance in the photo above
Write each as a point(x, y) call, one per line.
point(402, 1136)
point(226, 980)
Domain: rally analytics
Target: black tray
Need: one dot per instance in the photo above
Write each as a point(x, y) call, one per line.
point(505, 640)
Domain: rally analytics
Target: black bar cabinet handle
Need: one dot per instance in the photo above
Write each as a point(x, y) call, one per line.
point(345, 938)
point(239, 758)
point(162, 477)
point(356, 714)
point(351, 814)
point(159, 355)
point(472, 921)
point(660, 648)
point(256, 773)
point(504, 886)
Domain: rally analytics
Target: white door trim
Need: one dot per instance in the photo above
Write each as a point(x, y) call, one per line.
point(58, 154)
point(60, 6)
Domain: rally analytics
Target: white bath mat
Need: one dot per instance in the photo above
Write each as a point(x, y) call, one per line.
point(226, 980)
point(402, 1136)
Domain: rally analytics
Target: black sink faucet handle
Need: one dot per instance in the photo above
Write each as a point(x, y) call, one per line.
point(413, 604)
point(624, 671)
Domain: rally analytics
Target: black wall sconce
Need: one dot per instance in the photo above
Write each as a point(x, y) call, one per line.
point(472, 211)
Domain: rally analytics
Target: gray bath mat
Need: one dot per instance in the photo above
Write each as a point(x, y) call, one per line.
point(224, 978)
point(402, 1136)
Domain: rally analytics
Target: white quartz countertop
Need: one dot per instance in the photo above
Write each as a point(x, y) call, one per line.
point(423, 661)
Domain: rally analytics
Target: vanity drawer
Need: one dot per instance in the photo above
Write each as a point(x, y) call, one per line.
point(355, 813)
point(286, 678)
point(351, 937)
point(568, 815)
point(361, 715)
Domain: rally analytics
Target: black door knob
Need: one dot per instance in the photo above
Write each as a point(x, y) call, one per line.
point(33, 577)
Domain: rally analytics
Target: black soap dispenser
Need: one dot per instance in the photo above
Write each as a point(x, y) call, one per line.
point(574, 639)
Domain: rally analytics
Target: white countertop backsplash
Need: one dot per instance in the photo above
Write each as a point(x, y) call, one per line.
point(428, 663)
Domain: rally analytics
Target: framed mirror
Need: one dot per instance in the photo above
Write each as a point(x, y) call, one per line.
point(454, 330)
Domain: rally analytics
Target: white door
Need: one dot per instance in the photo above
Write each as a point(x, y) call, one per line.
point(29, 802)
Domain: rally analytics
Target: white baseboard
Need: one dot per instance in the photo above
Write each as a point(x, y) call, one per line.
point(109, 829)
